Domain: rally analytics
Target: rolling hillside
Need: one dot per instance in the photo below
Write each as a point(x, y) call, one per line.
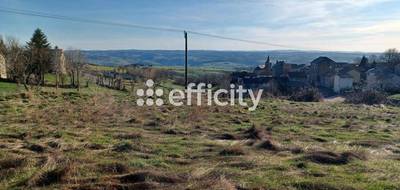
point(218, 59)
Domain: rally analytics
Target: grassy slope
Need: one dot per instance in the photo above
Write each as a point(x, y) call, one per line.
point(7, 87)
point(57, 139)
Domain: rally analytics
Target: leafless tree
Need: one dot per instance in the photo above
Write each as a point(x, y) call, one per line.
point(75, 61)
point(391, 57)
point(17, 61)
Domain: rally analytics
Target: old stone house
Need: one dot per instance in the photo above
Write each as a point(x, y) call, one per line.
point(353, 71)
point(383, 78)
point(264, 70)
point(281, 69)
point(322, 71)
point(59, 62)
point(342, 82)
point(3, 67)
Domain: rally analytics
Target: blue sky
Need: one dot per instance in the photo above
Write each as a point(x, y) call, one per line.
point(342, 25)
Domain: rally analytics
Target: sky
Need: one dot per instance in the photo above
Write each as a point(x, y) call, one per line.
point(327, 25)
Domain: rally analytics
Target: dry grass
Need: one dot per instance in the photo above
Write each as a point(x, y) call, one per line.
point(102, 140)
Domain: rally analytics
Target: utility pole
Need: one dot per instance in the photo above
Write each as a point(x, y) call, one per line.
point(186, 60)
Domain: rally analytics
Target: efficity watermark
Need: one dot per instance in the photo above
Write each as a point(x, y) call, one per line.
point(198, 94)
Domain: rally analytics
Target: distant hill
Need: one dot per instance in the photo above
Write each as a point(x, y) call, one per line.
point(206, 58)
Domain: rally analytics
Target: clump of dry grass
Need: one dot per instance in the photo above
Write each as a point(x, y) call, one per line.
point(255, 132)
point(130, 135)
point(270, 145)
point(144, 176)
point(53, 171)
point(123, 147)
point(307, 185)
point(235, 150)
point(11, 163)
point(327, 157)
point(113, 167)
point(35, 147)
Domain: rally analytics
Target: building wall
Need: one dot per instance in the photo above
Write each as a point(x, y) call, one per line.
point(342, 83)
point(3, 68)
point(355, 75)
point(397, 69)
point(372, 82)
point(327, 81)
point(59, 62)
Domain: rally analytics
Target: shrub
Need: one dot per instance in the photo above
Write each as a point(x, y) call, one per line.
point(306, 95)
point(367, 97)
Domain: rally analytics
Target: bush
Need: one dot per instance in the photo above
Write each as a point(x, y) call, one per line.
point(367, 97)
point(306, 95)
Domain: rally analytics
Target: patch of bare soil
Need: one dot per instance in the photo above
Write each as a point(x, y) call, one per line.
point(369, 143)
point(326, 157)
point(319, 186)
point(270, 145)
point(235, 150)
point(255, 133)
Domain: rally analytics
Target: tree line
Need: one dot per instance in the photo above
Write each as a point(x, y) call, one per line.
point(28, 63)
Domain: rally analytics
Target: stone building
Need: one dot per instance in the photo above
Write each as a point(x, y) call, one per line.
point(264, 70)
point(383, 78)
point(342, 82)
point(59, 62)
point(3, 67)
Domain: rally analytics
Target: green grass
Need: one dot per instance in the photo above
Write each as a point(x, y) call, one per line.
point(8, 87)
point(395, 97)
point(99, 126)
point(100, 68)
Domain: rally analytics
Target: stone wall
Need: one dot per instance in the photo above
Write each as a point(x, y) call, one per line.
point(3, 68)
point(59, 62)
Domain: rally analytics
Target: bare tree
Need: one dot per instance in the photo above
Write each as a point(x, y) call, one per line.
point(17, 61)
point(76, 61)
point(391, 57)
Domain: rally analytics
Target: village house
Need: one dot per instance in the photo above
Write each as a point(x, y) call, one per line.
point(342, 82)
point(351, 70)
point(3, 67)
point(363, 67)
point(281, 69)
point(264, 70)
point(59, 62)
point(323, 73)
point(383, 78)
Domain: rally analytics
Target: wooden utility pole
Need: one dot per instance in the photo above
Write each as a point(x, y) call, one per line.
point(186, 60)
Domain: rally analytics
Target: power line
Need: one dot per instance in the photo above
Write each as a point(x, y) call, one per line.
point(174, 30)
point(242, 40)
point(76, 19)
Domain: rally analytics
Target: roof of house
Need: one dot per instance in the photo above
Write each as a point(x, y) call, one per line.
point(297, 74)
point(344, 75)
point(321, 60)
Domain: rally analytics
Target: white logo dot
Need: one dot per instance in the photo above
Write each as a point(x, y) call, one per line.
point(149, 83)
point(140, 102)
point(140, 92)
point(159, 102)
point(159, 92)
point(149, 92)
point(149, 102)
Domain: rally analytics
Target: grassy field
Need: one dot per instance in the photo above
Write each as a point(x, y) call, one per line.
point(100, 139)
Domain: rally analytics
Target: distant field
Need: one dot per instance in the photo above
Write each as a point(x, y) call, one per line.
point(396, 97)
point(212, 59)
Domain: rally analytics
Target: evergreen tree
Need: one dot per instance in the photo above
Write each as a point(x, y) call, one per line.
point(40, 52)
